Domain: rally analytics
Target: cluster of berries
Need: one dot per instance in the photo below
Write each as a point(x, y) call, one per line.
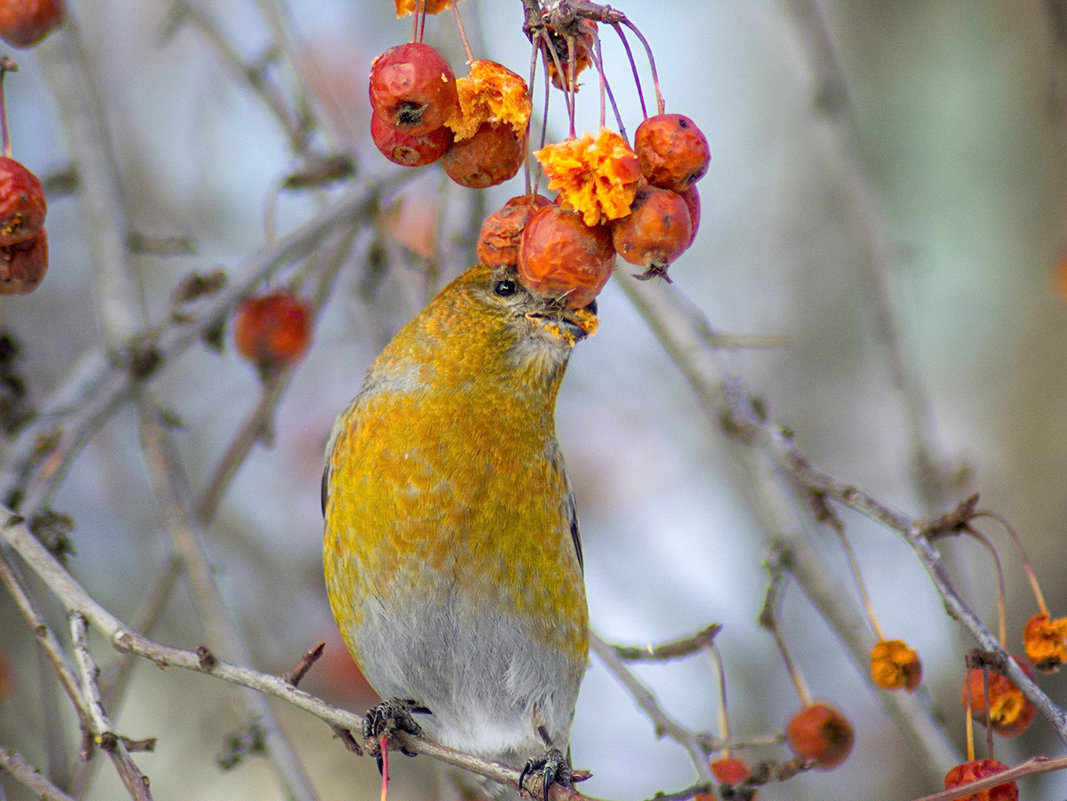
point(638, 202)
point(23, 240)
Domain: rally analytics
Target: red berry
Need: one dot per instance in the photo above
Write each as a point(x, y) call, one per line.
point(22, 203)
point(23, 23)
point(672, 151)
point(413, 88)
point(561, 256)
point(979, 769)
point(498, 241)
point(820, 733)
point(692, 202)
point(407, 149)
point(656, 231)
point(730, 770)
point(272, 330)
point(488, 158)
point(23, 265)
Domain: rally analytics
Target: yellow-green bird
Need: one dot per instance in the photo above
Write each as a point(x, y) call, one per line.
point(452, 555)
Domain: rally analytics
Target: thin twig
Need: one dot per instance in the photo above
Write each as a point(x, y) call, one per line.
point(698, 745)
point(101, 731)
point(675, 649)
point(11, 762)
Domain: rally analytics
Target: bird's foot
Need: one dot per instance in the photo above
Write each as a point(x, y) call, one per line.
point(387, 717)
point(553, 768)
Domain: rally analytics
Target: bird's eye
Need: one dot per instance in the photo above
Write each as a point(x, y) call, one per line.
point(505, 287)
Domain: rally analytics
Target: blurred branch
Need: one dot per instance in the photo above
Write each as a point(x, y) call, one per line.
point(255, 77)
point(257, 425)
point(935, 479)
point(681, 329)
point(11, 762)
point(40, 455)
point(174, 497)
point(81, 113)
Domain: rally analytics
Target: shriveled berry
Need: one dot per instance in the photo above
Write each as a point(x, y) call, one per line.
point(656, 231)
point(23, 265)
point(976, 769)
point(413, 88)
point(23, 23)
point(584, 44)
point(22, 203)
point(692, 202)
point(672, 151)
point(491, 156)
point(1007, 710)
point(820, 733)
point(407, 149)
point(561, 256)
point(498, 241)
point(272, 330)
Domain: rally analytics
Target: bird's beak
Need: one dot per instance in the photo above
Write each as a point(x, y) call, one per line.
point(570, 325)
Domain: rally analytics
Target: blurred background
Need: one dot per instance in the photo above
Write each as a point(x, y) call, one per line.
point(957, 108)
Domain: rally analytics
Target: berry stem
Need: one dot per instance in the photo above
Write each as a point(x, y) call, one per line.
point(970, 723)
point(1022, 556)
point(769, 621)
point(633, 69)
point(854, 566)
point(6, 65)
point(605, 87)
point(383, 744)
point(660, 105)
point(568, 96)
point(462, 32)
point(1002, 625)
point(724, 719)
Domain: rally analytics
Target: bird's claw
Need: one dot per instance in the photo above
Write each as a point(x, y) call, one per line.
point(390, 716)
point(553, 767)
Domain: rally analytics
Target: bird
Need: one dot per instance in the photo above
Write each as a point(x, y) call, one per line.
point(452, 555)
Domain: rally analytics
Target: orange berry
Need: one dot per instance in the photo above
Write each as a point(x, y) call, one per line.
point(1008, 711)
point(23, 23)
point(560, 255)
point(22, 203)
point(498, 241)
point(23, 265)
point(408, 149)
point(730, 770)
point(820, 733)
point(1045, 642)
point(672, 151)
point(413, 88)
point(656, 231)
point(488, 158)
point(273, 330)
point(596, 175)
point(895, 666)
point(692, 202)
point(979, 769)
point(490, 92)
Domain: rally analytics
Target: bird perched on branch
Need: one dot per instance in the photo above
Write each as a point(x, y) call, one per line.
point(452, 557)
